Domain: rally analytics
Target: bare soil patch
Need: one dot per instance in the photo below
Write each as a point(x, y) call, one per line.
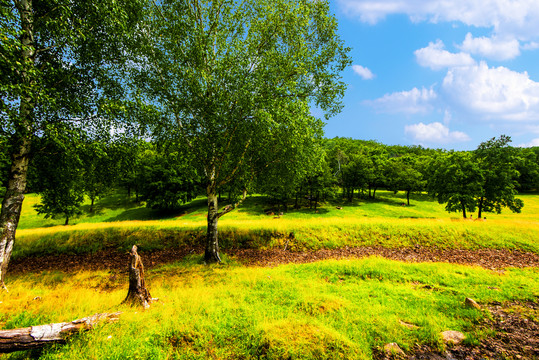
point(116, 260)
point(516, 336)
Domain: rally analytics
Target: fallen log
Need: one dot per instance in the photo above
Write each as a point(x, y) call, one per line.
point(41, 335)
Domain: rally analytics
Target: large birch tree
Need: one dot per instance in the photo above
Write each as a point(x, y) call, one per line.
point(235, 82)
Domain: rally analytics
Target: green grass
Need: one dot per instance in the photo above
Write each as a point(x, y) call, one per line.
point(324, 310)
point(118, 208)
point(383, 222)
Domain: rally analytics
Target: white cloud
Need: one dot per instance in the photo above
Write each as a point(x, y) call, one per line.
point(492, 93)
point(517, 17)
point(410, 102)
point(492, 48)
point(434, 133)
point(534, 142)
point(364, 72)
point(435, 57)
point(530, 46)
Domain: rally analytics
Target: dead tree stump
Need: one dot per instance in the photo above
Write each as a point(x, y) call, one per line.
point(39, 336)
point(137, 294)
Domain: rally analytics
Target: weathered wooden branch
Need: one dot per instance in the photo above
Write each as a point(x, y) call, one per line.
point(137, 293)
point(41, 335)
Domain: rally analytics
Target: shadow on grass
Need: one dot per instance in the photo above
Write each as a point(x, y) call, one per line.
point(144, 213)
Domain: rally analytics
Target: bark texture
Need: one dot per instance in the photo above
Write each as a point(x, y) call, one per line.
point(39, 336)
point(211, 254)
point(12, 203)
point(137, 294)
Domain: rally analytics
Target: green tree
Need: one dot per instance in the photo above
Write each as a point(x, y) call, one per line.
point(235, 82)
point(455, 180)
point(60, 169)
point(98, 168)
point(403, 174)
point(527, 166)
point(497, 160)
point(167, 180)
point(56, 60)
point(376, 169)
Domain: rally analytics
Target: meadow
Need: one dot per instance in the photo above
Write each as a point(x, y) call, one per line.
point(345, 309)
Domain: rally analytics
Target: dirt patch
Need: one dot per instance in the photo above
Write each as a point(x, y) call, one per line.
point(487, 258)
point(115, 260)
point(516, 336)
point(101, 260)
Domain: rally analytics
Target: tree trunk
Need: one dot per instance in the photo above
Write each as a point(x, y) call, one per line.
point(479, 212)
point(12, 203)
point(211, 255)
point(39, 336)
point(137, 293)
point(408, 197)
point(67, 221)
point(11, 206)
point(463, 210)
point(91, 204)
point(374, 193)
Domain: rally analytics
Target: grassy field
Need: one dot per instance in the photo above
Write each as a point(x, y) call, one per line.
point(325, 310)
point(344, 309)
point(119, 223)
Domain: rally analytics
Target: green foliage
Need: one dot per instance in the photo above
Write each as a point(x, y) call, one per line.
point(61, 173)
point(497, 163)
point(234, 82)
point(527, 165)
point(166, 179)
point(456, 181)
point(402, 173)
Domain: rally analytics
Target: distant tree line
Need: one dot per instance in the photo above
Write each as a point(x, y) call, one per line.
point(70, 167)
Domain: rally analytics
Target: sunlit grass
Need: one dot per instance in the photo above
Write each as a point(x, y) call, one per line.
point(118, 208)
point(325, 310)
point(308, 234)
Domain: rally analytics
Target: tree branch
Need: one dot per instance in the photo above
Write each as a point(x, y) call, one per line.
point(229, 208)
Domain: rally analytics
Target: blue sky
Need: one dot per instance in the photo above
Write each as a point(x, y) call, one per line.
point(439, 73)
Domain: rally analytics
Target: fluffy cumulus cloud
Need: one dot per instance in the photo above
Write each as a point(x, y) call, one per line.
point(492, 93)
point(495, 48)
point(434, 133)
point(364, 72)
point(414, 101)
point(520, 18)
point(436, 57)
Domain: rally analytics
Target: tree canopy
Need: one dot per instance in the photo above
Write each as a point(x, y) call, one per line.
point(59, 62)
point(234, 82)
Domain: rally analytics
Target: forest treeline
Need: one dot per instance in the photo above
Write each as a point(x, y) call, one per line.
point(69, 167)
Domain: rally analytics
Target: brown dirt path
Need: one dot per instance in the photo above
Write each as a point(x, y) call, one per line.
point(115, 260)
